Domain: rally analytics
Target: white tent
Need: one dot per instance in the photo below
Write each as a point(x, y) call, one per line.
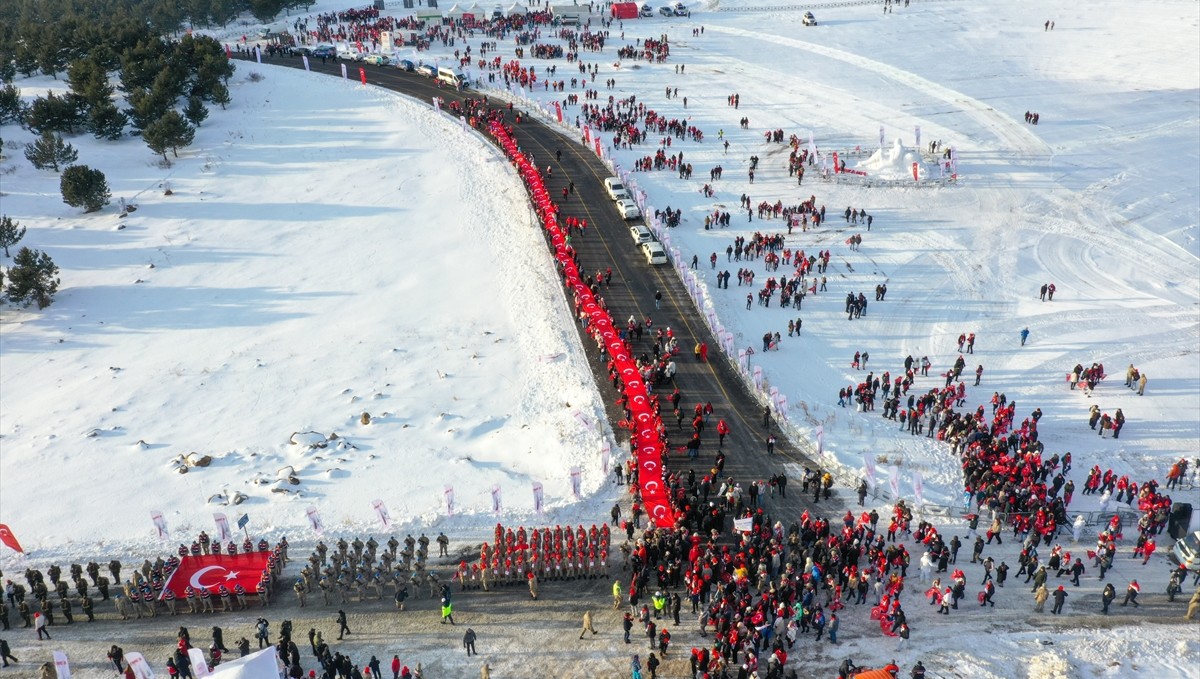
point(455, 12)
point(515, 9)
point(261, 665)
point(475, 10)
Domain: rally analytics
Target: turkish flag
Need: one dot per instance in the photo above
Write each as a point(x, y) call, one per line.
point(9, 539)
point(213, 570)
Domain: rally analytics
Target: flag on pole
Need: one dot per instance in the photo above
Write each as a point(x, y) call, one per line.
point(223, 533)
point(917, 131)
point(918, 487)
point(345, 74)
point(199, 664)
point(306, 66)
point(449, 493)
point(605, 456)
point(881, 136)
point(258, 54)
point(437, 105)
point(894, 482)
point(62, 668)
point(576, 481)
point(362, 74)
point(820, 439)
point(382, 512)
point(243, 520)
point(7, 537)
point(141, 668)
point(496, 498)
point(538, 500)
point(869, 467)
point(160, 524)
point(314, 521)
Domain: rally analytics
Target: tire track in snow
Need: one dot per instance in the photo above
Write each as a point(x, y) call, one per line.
point(1013, 135)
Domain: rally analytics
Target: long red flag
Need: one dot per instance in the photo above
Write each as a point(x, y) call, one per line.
point(7, 537)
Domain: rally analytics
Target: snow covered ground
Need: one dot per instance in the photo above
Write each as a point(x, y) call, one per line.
point(330, 250)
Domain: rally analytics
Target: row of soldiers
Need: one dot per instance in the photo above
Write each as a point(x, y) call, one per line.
point(359, 569)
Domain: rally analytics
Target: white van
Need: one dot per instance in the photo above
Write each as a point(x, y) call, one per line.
point(1186, 552)
point(655, 254)
point(451, 77)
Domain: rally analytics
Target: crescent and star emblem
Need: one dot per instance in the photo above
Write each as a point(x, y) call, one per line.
point(196, 582)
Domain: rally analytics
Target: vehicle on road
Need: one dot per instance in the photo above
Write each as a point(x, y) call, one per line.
point(427, 71)
point(616, 190)
point(628, 209)
point(405, 65)
point(679, 9)
point(349, 55)
point(1186, 552)
point(324, 51)
point(377, 59)
point(666, 11)
point(300, 51)
point(640, 233)
point(451, 77)
point(655, 254)
point(809, 19)
point(646, 11)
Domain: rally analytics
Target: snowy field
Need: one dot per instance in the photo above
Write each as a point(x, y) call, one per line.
point(331, 250)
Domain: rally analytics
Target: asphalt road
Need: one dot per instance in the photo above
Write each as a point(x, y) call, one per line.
point(608, 244)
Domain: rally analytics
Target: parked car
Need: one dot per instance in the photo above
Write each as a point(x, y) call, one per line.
point(349, 55)
point(666, 11)
point(377, 59)
point(300, 51)
point(679, 9)
point(655, 254)
point(405, 65)
point(427, 71)
point(646, 11)
point(616, 190)
point(1186, 552)
point(640, 233)
point(809, 19)
point(628, 209)
point(326, 51)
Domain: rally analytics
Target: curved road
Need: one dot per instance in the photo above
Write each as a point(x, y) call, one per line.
point(608, 244)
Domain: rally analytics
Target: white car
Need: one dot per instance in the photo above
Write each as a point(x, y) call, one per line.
point(1186, 552)
point(349, 55)
point(655, 254)
point(628, 209)
point(679, 9)
point(377, 59)
point(641, 235)
point(809, 19)
point(616, 190)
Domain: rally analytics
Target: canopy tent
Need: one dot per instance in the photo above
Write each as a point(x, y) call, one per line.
point(455, 12)
point(515, 9)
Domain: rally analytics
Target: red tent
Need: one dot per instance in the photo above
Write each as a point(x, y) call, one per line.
point(625, 10)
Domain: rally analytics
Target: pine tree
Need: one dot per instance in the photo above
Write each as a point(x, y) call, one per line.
point(11, 109)
point(50, 151)
point(81, 186)
point(89, 81)
point(11, 233)
point(168, 132)
point(195, 111)
point(220, 95)
point(106, 121)
point(52, 113)
point(33, 278)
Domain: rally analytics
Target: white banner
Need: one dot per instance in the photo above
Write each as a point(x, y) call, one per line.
point(812, 146)
point(437, 105)
point(223, 532)
point(199, 664)
point(305, 58)
point(881, 143)
point(382, 512)
point(605, 457)
point(385, 41)
point(314, 520)
point(344, 75)
point(585, 420)
point(869, 468)
point(449, 494)
point(820, 439)
point(576, 481)
point(496, 502)
point(61, 667)
point(258, 54)
point(782, 405)
point(538, 500)
point(919, 488)
point(758, 377)
point(917, 132)
point(894, 481)
point(141, 668)
point(745, 525)
point(160, 524)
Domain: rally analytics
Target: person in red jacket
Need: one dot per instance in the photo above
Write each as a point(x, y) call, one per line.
point(722, 432)
point(395, 667)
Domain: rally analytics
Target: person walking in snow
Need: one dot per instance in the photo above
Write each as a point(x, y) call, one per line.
point(1024, 336)
point(587, 624)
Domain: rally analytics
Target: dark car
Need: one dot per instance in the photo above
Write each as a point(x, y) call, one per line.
point(405, 65)
point(326, 51)
point(300, 51)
